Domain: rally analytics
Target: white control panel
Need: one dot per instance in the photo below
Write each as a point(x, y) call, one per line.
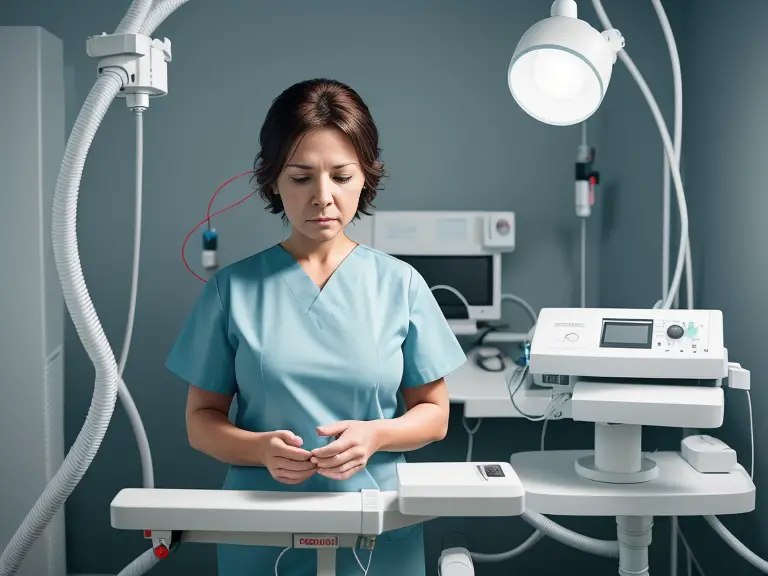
point(459, 489)
point(627, 343)
point(434, 233)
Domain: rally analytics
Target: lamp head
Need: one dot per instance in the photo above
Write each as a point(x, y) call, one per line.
point(561, 67)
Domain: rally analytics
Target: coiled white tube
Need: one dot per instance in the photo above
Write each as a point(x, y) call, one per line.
point(527, 544)
point(606, 548)
point(736, 545)
point(83, 314)
point(669, 151)
point(160, 11)
point(137, 13)
point(141, 565)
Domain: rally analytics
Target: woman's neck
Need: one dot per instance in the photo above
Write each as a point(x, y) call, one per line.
point(304, 248)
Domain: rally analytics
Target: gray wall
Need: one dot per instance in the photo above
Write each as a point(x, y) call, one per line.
point(433, 74)
point(725, 137)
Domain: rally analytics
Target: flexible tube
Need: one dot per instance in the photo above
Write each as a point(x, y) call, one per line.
point(583, 262)
point(143, 564)
point(677, 81)
point(736, 545)
point(136, 14)
point(583, 235)
point(160, 11)
point(670, 152)
point(81, 310)
point(470, 436)
point(529, 543)
point(527, 307)
point(453, 291)
point(606, 548)
point(676, 531)
point(107, 381)
point(145, 454)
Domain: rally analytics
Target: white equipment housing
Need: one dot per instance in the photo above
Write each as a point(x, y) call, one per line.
point(32, 307)
point(627, 368)
point(461, 250)
point(322, 521)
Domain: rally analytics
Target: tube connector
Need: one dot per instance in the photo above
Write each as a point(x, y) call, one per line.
point(738, 377)
point(455, 562)
point(143, 60)
point(210, 249)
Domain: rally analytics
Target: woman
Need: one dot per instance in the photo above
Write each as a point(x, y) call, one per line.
point(336, 351)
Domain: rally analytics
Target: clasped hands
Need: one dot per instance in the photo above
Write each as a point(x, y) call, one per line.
point(353, 442)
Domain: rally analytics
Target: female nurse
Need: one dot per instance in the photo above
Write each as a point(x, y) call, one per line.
point(336, 352)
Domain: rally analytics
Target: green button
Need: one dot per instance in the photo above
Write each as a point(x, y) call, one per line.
point(692, 329)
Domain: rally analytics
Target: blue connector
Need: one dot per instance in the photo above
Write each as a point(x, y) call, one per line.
point(210, 240)
point(210, 246)
point(525, 359)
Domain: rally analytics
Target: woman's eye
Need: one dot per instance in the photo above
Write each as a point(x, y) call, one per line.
point(300, 179)
point(343, 179)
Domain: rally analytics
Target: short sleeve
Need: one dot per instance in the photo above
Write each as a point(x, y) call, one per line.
point(203, 355)
point(430, 350)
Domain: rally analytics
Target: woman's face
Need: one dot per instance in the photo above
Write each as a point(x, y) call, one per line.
point(321, 184)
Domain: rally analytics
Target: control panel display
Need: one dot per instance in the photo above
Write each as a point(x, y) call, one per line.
point(627, 334)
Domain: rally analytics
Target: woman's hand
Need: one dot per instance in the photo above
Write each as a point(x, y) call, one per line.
point(348, 454)
point(281, 454)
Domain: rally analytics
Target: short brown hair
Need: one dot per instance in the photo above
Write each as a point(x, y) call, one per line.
point(306, 106)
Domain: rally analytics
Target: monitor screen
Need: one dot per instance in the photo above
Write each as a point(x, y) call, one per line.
point(472, 276)
point(627, 334)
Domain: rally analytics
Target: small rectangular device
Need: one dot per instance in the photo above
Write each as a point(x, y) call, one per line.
point(708, 455)
point(625, 343)
point(459, 489)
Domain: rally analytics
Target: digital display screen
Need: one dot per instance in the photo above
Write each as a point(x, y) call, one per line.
point(472, 276)
point(627, 334)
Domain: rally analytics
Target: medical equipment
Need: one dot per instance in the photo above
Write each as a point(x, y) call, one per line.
point(32, 126)
point(632, 368)
point(134, 66)
point(457, 253)
point(625, 369)
point(561, 67)
point(319, 521)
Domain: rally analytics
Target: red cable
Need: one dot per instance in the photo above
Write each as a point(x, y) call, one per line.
point(220, 188)
point(208, 219)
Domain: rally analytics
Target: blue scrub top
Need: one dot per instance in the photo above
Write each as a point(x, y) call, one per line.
point(298, 357)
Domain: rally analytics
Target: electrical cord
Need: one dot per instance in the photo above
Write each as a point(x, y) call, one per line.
point(520, 373)
point(354, 552)
point(523, 304)
point(279, 556)
point(357, 558)
point(207, 220)
point(470, 435)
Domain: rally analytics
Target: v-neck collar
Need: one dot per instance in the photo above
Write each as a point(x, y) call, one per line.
point(303, 288)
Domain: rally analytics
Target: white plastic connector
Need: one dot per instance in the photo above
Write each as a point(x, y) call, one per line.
point(738, 377)
point(143, 60)
point(567, 8)
point(209, 259)
point(583, 191)
point(615, 40)
point(455, 562)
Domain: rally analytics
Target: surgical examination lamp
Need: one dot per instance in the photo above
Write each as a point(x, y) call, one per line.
point(559, 75)
point(133, 65)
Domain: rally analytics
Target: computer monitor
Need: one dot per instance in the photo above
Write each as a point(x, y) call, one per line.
point(472, 276)
point(460, 250)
